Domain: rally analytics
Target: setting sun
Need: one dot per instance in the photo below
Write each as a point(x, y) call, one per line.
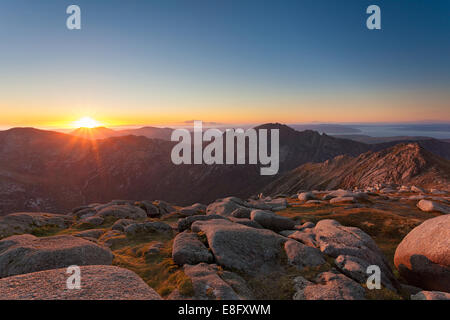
point(86, 122)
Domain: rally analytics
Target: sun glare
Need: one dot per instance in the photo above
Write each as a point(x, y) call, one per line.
point(86, 122)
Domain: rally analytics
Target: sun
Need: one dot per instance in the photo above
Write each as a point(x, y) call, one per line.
point(86, 122)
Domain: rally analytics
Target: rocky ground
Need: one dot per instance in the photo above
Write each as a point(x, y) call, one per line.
point(310, 245)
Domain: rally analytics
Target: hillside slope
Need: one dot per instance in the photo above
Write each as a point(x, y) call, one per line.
point(408, 164)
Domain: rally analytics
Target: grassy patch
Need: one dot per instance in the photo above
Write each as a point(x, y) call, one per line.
point(45, 231)
point(158, 270)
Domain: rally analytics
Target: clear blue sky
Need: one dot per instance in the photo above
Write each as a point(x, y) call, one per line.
point(234, 61)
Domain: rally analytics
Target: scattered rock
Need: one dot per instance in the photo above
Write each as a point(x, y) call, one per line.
point(92, 233)
point(27, 253)
point(120, 224)
point(271, 220)
point(207, 283)
point(147, 227)
point(196, 208)
point(306, 196)
point(302, 256)
point(315, 202)
point(334, 240)
point(436, 191)
point(433, 206)
point(98, 283)
point(185, 223)
point(305, 236)
point(25, 222)
point(342, 200)
point(345, 194)
point(277, 204)
point(188, 249)
point(356, 269)
point(241, 213)
point(224, 207)
point(154, 248)
point(431, 295)
point(246, 222)
point(93, 220)
point(328, 286)
point(238, 284)
point(417, 189)
point(164, 207)
point(423, 256)
point(240, 247)
point(124, 211)
point(306, 225)
point(150, 208)
point(83, 212)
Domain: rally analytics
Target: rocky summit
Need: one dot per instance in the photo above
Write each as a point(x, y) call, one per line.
point(311, 245)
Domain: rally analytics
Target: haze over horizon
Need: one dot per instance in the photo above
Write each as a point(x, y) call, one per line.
point(156, 63)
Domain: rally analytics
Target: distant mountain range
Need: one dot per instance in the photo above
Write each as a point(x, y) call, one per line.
point(407, 163)
point(54, 172)
point(104, 133)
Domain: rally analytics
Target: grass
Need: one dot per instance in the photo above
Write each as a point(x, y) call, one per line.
point(158, 271)
point(279, 285)
point(45, 231)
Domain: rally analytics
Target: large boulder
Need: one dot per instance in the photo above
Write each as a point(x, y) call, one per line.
point(342, 200)
point(423, 256)
point(277, 204)
point(302, 256)
point(431, 295)
point(188, 249)
point(124, 211)
point(91, 233)
point(93, 220)
point(328, 286)
point(147, 227)
point(271, 220)
point(97, 283)
point(305, 236)
point(433, 206)
point(27, 253)
point(417, 189)
point(224, 207)
point(208, 285)
point(243, 213)
point(25, 222)
point(164, 207)
point(356, 269)
point(242, 248)
point(194, 209)
point(149, 207)
point(185, 223)
point(345, 194)
point(121, 224)
point(334, 240)
point(306, 196)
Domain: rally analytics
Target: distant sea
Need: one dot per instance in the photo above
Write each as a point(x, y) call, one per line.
point(438, 131)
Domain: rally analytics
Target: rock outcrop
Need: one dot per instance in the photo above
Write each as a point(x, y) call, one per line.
point(23, 222)
point(97, 283)
point(188, 249)
point(328, 286)
point(240, 247)
point(26, 253)
point(433, 206)
point(423, 256)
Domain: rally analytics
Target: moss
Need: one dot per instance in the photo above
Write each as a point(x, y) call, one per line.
point(45, 231)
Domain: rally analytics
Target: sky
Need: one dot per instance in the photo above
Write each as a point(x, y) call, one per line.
point(153, 62)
